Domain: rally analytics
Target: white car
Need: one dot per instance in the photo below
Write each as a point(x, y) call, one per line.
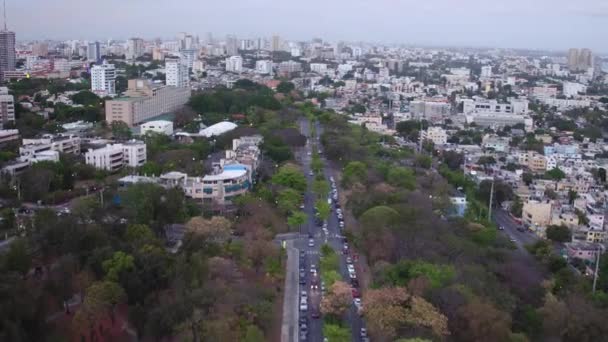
point(357, 302)
point(341, 224)
point(363, 333)
point(311, 242)
point(304, 295)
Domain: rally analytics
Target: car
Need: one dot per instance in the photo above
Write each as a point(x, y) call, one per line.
point(314, 287)
point(345, 247)
point(341, 224)
point(354, 282)
point(303, 320)
point(311, 173)
point(304, 294)
point(324, 225)
point(313, 268)
point(355, 293)
point(302, 274)
point(302, 254)
point(339, 211)
point(331, 179)
point(315, 314)
point(308, 153)
point(340, 217)
point(337, 205)
point(363, 333)
point(322, 286)
point(302, 206)
point(357, 302)
point(501, 228)
point(350, 268)
point(512, 240)
point(311, 242)
point(349, 260)
point(304, 306)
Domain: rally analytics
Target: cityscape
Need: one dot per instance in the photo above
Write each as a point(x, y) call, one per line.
point(254, 187)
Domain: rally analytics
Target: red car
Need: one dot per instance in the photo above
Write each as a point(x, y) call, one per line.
point(356, 293)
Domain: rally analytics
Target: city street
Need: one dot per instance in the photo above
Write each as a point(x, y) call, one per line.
point(503, 219)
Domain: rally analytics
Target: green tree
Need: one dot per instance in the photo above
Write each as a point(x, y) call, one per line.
point(354, 171)
point(120, 130)
point(297, 219)
point(320, 187)
point(139, 234)
point(119, 263)
point(290, 176)
point(323, 209)
point(336, 333)
point(555, 174)
point(289, 200)
point(18, 257)
point(253, 334)
point(559, 233)
point(423, 161)
point(86, 98)
point(527, 178)
point(516, 207)
point(401, 176)
point(285, 87)
point(101, 299)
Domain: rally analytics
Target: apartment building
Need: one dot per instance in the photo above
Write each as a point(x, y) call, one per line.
point(8, 135)
point(7, 107)
point(534, 161)
point(114, 157)
point(177, 73)
point(437, 135)
point(234, 64)
point(59, 143)
point(103, 79)
point(536, 215)
point(145, 100)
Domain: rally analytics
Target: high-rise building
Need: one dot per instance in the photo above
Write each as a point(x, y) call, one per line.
point(7, 52)
point(276, 43)
point(103, 79)
point(572, 59)
point(585, 60)
point(177, 72)
point(232, 47)
point(486, 71)
point(40, 49)
point(7, 107)
point(93, 52)
point(135, 48)
point(263, 67)
point(234, 64)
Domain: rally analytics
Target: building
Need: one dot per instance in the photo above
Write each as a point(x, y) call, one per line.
point(93, 52)
point(534, 161)
point(486, 71)
point(481, 106)
point(234, 64)
point(573, 59)
point(573, 89)
point(7, 107)
point(114, 157)
point(496, 143)
point(61, 143)
point(8, 135)
point(7, 52)
point(584, 250)
point(430, 110)
point(145, 100)
point(232, 45)
point(289, 67)
point(40, 49)
point(21, 164)
point(177, 73)
point(157, 126)
point(263, 67)
point(135, 48)
point(158, 54)
point(536, 215)
point(319, 68)
point(103, 79)
point(437, 135)
point(276, 43)
point(580, 60)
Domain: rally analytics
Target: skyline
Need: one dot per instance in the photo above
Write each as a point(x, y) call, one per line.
point(471, 24)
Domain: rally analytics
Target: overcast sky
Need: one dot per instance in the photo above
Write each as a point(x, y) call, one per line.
point(551, 24)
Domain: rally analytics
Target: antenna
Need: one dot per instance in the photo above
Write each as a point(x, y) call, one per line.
point(4, 5)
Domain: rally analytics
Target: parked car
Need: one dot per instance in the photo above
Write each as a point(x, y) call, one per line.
point(311, 242)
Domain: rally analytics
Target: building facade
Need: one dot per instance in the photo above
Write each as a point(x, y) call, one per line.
point(7, 52)
point(7, 107)
point(114, 157)
point(177, 73)
point(103, 79)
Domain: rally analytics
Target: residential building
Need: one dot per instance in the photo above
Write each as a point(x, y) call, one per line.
point(21, 164)
point(289, 67)
point(276, 43)
point(263, 67)
point(40, 49)
point(437, 135)
point(157, 126)
point(536, 215)
point(584, 250)
point(145, 100)
point(486, 71)
point(573, 59)
point(573, 89)
point(8, 135)
point(430, 110)
point(60, 143)
point(536, 162)
point(496, 143)
point(103, 79)
point(7, 52)
point(234, 64)
point(177, 73)
point(7, 107)
point(135, 48)
point(319, 68)
point(114, 157)
point(94, 52)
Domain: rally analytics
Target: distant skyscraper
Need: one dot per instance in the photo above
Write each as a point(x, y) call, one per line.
point(234, 64)
point(177, 72)
point(40, 49)
point(7, 52)
point(276, 43)
point(135, 48)
point(7, 107)
point(103, 79)
point(572, 59)
point(232, 45)
point(585, 60)
point(93, 52)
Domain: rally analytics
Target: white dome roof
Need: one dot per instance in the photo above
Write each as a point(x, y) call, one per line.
point(218, 129)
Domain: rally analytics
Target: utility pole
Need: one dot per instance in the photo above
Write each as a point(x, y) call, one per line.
point(490, 203)
point(597, 267)
point(101, 194)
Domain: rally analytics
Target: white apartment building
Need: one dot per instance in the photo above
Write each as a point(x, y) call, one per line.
point(114, 157)
point(573, 89)
point(486, 71)
point(263, 67)
point(234, 64)
point(7, 107)
point(198, 66)
point(158, 126)
point(62, 143)
point(437, 135)
point(7, 135)
point(515, 106)
point(135, 48)
point(103, 79)
point(177, 73)
point(319, 68)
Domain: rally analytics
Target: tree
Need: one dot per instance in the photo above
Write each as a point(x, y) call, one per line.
point(336, 333)
point(527, 178)
point(338, 300)
point(517, 207)
point(253, 334)
point(139, 234)
point(323, 209)
point(101, 299)
point(502, 192)
point(120, 263)
point(486, 161)
point(120, 130)
point(389, 310)
point(479, 321)
point(289, 200)
point(297, 219)
point(320, 187)
point(555, 174)
point(290, 176)
point(453, 159)
point(285, 87)
point(423, 161)
point(18, 257)
point(86, 98)
point(354, 171)
point(572, 196)
point(559, 233)
point(216, 230)
point(402, 177)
